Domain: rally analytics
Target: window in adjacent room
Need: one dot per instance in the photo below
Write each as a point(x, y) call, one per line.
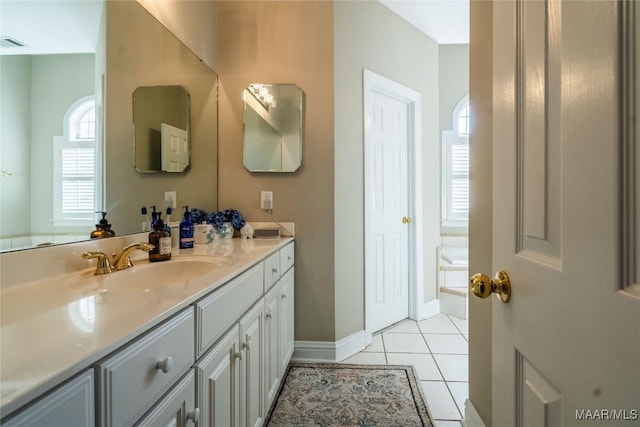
point(455, 168)
point(76, 180)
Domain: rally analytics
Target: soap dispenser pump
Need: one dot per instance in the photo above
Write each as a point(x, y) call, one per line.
point(103, 229)
point(161, 240)
point(186, 230)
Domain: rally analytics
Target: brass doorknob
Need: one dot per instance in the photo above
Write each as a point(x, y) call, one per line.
point(482, 286)
point(406, 220)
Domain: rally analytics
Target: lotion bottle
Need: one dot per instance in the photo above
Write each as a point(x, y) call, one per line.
point(161, 240)
point(186, 231)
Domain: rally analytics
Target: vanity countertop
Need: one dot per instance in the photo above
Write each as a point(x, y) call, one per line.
point(52, 329)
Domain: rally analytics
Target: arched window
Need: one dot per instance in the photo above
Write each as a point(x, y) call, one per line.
point(455, 168)
point(75, 160)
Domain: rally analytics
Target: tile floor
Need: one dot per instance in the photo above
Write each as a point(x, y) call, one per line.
point(438, 348)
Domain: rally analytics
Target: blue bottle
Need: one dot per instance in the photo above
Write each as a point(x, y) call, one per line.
point(186, 231)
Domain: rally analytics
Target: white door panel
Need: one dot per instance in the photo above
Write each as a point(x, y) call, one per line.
point(568, 341)
point(387, 205)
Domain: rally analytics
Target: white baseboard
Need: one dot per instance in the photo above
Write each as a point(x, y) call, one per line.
point(471, 416)
point(429, 309)
point(330, 351)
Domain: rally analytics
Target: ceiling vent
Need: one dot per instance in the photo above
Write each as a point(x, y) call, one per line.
point(6, 41)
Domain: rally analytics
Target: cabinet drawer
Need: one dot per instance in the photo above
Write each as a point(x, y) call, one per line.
point(286, 258)
point(69, 405)
point(132, 379)
point(271, 271)
point(218, 311)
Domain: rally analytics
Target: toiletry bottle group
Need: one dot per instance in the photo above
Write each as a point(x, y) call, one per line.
point(161, 240)
point(186, 231)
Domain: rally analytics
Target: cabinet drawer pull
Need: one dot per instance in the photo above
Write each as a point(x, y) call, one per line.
point(274, 270)
point(239, 355)
point(194, 416)
point(268, 316)
point(289, 258)
point(284, 296)
point(165, 365)
point(245, 346)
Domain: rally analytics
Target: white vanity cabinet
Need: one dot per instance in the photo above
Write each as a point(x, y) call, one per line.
point(134, 378)
point(177, 408)
point(217, 361)
point(71, 405)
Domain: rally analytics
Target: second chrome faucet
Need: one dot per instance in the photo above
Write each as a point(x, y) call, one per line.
point(119, 261)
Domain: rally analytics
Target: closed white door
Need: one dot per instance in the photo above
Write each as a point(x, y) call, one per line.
point(387, 210)
point(566, 347)
point(175, 148)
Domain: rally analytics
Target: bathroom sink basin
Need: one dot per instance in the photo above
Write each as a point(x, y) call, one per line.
point(144, 276)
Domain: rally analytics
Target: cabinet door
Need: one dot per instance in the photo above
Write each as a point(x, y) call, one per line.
point(70, 405)
point(218, 383)
point(251, 372)
point(177, 408)
point(286, 320)
point(271, 343)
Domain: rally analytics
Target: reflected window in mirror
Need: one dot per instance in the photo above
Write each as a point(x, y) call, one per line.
point(273, 127)
point(76, 178)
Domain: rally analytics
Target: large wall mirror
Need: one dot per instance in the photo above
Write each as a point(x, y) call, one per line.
point(52, 109)
point(273, 127)
point(161, 124)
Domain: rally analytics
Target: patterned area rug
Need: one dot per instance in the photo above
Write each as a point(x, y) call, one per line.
point(320, 394)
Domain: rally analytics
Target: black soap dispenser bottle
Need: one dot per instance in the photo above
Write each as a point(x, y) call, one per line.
point(103, 229)
point(161, 240)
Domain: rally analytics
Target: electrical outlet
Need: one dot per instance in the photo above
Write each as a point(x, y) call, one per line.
point(170, 196)
point(266, 200)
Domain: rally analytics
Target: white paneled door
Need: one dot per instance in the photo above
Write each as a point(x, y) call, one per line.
point(387, 208)
point(566, 347)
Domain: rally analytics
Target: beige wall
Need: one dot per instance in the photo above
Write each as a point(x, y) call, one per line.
point(142, 52)
point(453, 76)
point(285, 42)
point(480, 222)
point(191, 21)
point(363, 40)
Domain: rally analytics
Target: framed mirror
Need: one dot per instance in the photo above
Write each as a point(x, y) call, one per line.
point(161, 127)
point(273, 127)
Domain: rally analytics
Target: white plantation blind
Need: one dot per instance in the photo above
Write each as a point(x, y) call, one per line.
point(75, 179)
point(78, 181)
point(459, 179)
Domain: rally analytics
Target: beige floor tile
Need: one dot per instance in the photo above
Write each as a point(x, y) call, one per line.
point(447, 343)
point(424, 364)
point(366, 359)
point(460, 393)
point(439, 401)
point(407, 326)
point(439, 325)
point(377, 346)
point(404, 343)
point(454, 367)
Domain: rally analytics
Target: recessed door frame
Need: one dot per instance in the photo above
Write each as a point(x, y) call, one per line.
point(413, 100)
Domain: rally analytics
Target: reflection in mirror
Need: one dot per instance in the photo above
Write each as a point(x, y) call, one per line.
point(273, 127)
point(129, 48)
point(50, 138)
point(161, 125)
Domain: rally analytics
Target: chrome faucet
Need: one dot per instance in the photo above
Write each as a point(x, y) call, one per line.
point(122, 260)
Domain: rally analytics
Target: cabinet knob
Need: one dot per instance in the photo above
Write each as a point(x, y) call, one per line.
point(268, 316)
point(245, 346)
point(274, 270)
point(239, 354)
point(194, 416)
point(289, 258)
point(165, 365)
point(284, 296)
